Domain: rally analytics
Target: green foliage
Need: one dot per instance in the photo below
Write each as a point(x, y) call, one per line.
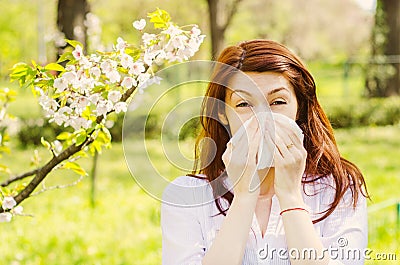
point(190, 129)
point(379, 71)
point(366, 112)
point(159, 18)
point(32, 130)
point(74, 167)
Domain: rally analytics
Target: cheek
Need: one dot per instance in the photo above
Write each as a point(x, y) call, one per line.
point(236, 119)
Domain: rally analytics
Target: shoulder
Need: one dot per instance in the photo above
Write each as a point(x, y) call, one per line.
point(323, 192)
point(186, 191)
point(190, 181)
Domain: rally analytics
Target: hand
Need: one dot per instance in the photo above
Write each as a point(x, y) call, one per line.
point(290, 161)
point(241, 161)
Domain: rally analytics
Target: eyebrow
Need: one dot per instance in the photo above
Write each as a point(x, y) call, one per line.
point(273, 91)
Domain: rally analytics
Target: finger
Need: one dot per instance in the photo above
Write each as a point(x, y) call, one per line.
point(227, 155)
point(294, 133)
point(248, 144)
point(284, 149)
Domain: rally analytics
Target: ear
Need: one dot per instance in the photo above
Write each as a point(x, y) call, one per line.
point(222, 117)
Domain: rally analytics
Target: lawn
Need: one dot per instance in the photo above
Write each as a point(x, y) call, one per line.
point(123, 227)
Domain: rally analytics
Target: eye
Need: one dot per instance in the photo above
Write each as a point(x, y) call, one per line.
point(243, 105)
point(278, 102)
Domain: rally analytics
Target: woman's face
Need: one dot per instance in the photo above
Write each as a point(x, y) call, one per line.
point(256, 92)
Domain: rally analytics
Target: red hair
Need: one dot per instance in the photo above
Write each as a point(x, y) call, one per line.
point(323, 159)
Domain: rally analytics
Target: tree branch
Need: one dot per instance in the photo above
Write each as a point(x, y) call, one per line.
point(42, 172)
point(230, 15)
point(19, 177)
point(46, 169)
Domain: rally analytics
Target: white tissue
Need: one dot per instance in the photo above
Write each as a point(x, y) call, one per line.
point(266, 147)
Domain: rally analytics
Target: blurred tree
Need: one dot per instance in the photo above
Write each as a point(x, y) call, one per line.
point(383, 72)
point(220, 17)
point(70, 20)
point(329, 31)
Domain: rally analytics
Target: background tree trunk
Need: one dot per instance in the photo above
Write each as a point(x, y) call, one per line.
point(383, 72)
point(220, 17)
point(392, 11)
point(70, 20)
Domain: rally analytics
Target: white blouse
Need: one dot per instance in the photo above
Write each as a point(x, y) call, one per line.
point(190, 221)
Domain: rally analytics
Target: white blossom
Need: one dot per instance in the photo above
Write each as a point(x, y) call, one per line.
point(173, 31)
point(78, 123)
point(148, 38)
point(108, 65)
point(48, 103)
point(103, 107)
point(95, 58)
point(139, 24)
point(58, 147)
point(120, 107)
point(60, 84)
point(78, 53)
point(114, 96)
point(128, 82)
point(94, 98)
point(146, 80)
point(8, 202)
point(85, 81)
point(70, 76)
point(80, 104)
point(137, 68)
point(121, 44)
point(113, 76)
point(95, 71)
point(70, 68)
point(142, 78)
point(59, 118)
point(126, 61)
point(18, 210)
point(85, 63)
point(65, 109)
point(149, 56)
point(178, 42)
point(195, 31)
point(5, 217)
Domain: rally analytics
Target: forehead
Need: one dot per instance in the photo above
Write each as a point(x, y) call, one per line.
point(256, 83)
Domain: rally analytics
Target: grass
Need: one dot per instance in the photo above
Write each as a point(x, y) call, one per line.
point(124, 228)
point(375, 151)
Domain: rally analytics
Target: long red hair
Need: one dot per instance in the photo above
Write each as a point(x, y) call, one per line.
point(323, 159)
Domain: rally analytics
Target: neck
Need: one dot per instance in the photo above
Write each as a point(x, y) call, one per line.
point(267, 184)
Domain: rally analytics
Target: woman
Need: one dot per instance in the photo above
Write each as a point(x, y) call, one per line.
point(309, 204)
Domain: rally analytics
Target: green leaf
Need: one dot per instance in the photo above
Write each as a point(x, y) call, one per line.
point(55, 67)
point(64, 136)
point(19, 187)
point(19, 70)
point(45, 143)
point(159, 18)
point(107, 134)
point(65, 56)
point(35, 65)
point(74, 43)
point(75, 167)
point(81, 137)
